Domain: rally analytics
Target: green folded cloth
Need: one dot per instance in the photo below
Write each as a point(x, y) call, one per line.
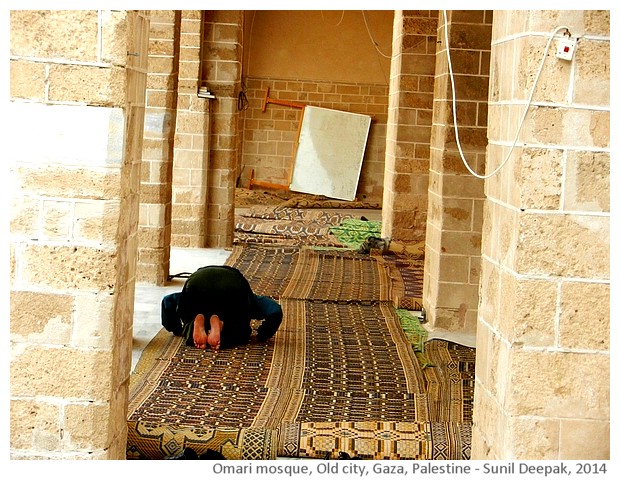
point(416, 334)
point(352, 232)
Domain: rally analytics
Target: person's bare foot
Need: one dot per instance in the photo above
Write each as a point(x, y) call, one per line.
point(199, 335)
point(213, 337)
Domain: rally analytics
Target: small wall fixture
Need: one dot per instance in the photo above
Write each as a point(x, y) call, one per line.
point(203, 92)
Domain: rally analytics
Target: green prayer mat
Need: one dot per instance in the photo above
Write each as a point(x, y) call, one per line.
point(352, 232)
point(416, 334)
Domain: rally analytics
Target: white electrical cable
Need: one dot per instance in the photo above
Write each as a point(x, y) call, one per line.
point(527, 108)
point(339, 21)
point(374, 43)
point(247, 67)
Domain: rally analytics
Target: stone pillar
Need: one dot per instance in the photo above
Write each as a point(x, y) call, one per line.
point(221, 72)
point(77, 111)
point(191, 146)
point(158, 150)
point(542, 389)
point(455, 196)
point(206, 141)
point(405, 194)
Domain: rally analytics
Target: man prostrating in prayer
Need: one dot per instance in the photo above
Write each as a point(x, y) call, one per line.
point(215, 309)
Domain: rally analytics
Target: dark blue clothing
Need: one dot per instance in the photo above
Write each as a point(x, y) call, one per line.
point(225, 292)
point(169, 317)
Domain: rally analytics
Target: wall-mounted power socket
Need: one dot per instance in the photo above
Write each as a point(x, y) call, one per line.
point(566, 49)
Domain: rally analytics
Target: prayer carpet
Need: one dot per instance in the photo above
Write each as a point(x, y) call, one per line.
point(407, 273)
point(374, 440)
point(339, 364)
point(268, 268)
point(339, 276)
point(449, 380)
point(287, 226)
point(156, 441)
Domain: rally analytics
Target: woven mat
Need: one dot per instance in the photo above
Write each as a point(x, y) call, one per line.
point(315, 216)
point(283, 225)
point(155, 441)
point(339, 276)
point(449, 380)
point(376, 440)
point(340, 355)
point(267, 268)
point(308, 274)
point(329, 361)
point(336, 362)
point(407, 274)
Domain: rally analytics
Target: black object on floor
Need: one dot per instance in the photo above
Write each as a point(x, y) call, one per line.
point(179, 275)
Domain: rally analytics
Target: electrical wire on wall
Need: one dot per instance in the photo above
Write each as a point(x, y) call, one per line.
point(242, 99)
point(527, 108)
point(374, 43)
point(376, 47)
point(339, 21)
point(247, 66)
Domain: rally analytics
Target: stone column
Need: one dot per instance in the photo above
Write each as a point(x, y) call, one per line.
point(405, 194)
point(206, 140)
point(455, 196)
point(77, 114)
point(192, 144)
point(221, 71)
point(543, 348)
point(158, 151)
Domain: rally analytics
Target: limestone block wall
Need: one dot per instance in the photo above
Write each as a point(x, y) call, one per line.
point(412, 72)
point(455, 195)
point(543, 391)
point(77, 110)
point(269, 136)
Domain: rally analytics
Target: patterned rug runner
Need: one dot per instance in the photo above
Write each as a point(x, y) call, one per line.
point(309, 274)
point(339, 276)
point(449, 380)
point(158, 440)
point(267, 268)
point(280, 225)
point(340, 362)
point(373, 440)
point(407, 273)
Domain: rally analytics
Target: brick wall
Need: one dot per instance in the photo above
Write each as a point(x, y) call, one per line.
point(269, 136)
